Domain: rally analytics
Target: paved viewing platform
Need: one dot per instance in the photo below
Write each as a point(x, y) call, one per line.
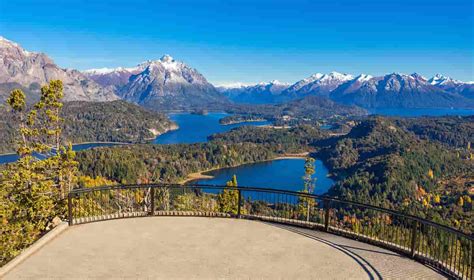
point(204, 248)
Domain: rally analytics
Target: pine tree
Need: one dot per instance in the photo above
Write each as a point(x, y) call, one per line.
point(32, 190)
point(306, 203)
point(228, 199)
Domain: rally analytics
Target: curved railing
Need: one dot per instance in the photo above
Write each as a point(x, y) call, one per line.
point(439, 246)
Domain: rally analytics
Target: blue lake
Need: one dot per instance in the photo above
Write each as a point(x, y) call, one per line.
point(284, 174)
point(195, 128)
point(418, 112)
point(7, 158)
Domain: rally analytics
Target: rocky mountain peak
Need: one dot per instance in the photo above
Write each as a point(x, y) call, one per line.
point(29, 70)
point(166, 58)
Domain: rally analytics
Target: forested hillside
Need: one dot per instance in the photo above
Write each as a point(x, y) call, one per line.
point(304, 110)
point(382, 164)
point(168, 163)
point(451, 130)
point(378, 162)
point(116, 121)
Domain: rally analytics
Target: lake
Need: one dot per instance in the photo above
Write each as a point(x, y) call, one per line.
point(418, 112)
point(7, 158)
point(284, 174)
point(194, 128)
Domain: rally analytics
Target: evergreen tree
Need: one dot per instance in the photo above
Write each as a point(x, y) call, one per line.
point(228, 200)
point(306, 203)
point(32, 191)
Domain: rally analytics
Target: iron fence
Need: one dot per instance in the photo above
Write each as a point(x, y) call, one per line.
point(445, 248)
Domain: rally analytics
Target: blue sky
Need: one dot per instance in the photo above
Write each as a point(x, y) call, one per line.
point(251, 41)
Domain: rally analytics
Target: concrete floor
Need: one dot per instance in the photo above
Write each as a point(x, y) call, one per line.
point(210, 248)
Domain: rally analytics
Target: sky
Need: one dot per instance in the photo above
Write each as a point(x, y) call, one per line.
point(251, 41)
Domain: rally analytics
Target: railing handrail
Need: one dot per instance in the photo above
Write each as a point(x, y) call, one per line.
point(270, 190)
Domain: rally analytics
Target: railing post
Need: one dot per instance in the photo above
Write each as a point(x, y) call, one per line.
point(152, 201)
point(414, 236)
point(326, 215)
point(69, 208)
point(239, 203)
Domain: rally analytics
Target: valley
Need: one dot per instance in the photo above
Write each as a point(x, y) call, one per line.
point(395, 141)
point(236, 139)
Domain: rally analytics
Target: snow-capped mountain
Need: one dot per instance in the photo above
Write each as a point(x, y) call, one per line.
point(115, 77)
point(392, 90)
point(264, 92)
point(170, 84)
point(29, 70)
point(318, 84)
point(440, 80)
point(397, 91)
point(452, 85)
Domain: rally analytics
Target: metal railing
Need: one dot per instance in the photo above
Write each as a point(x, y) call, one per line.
point(444, 248)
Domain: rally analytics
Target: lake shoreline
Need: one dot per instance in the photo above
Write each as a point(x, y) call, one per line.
point(201, 174)
point(243, 121)
point(82, 143)
point(157, 134)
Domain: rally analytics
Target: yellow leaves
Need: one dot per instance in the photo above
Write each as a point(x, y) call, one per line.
point(437, 199)
point(425, 202)
point(457, 223)
point(31, 117)
point(89, 182)
point(460, 201)
point(138, 197)
point(354, 220)
point(430, 173)
point(420, 192)
point(17, 100)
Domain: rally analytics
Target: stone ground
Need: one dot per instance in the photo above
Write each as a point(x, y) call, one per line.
point(209, 248)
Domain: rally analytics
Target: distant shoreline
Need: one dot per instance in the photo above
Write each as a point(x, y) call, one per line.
point(82, 143)
point(243, 121)
point(200, 175)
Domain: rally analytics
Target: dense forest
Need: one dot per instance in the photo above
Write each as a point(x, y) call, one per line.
point(422, 166)
point(383, 164)
point(450, 130)
point(306, 110)
point(378, 162)
point(169, 163)
point(116, 121)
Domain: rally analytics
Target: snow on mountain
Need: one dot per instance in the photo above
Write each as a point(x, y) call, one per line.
point(318, 84)
point(260, 93)
point(170, 84)
point(440, 80)
point(363, 77)
point(231, 86)
point(114, 77)
point(104, 71)
point(397, 90)
point(30, 70)
point(465, 89)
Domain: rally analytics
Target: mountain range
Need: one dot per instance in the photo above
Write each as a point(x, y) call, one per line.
point(167, 84)
point(261, 93)
point(393, 90)
point(29, 70)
